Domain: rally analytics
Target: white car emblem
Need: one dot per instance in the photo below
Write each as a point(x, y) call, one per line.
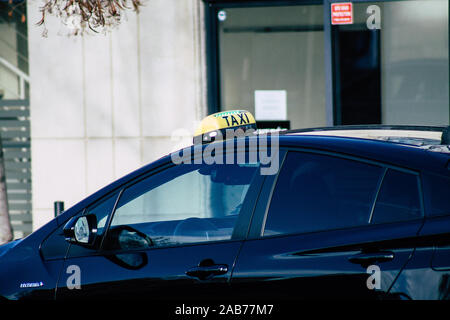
point(31, 284)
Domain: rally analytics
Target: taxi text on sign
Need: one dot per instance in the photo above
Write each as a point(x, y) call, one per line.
point(342, 13)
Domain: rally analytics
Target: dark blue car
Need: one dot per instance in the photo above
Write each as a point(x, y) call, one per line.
point(338, 213)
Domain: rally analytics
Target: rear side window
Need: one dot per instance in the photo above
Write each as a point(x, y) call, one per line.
point(437, 194)
point(398, 198)
point(319, 192)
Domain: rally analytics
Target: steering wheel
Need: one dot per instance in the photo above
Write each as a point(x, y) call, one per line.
point(193, 230)
point(126, 237)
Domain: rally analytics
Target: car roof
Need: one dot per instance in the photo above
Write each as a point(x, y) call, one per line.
point(423, 134)
point(407, 135)
point(408, 154)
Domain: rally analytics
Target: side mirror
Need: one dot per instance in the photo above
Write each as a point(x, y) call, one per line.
point(81, 230)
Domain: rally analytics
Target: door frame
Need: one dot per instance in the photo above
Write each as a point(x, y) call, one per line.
point(212, 45)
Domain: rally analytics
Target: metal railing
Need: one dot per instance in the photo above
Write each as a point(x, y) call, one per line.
point(15, 135)
point(23, 77)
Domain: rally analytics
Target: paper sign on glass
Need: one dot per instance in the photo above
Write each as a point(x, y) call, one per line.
point(270, 105)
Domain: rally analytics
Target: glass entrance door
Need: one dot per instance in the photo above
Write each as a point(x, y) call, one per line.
point(271, 61)
point(390, 62)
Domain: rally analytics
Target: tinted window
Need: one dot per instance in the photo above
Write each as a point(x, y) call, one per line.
point(437, 194)
point(102, 210)
point(55, 246)
point(183, 204)
point(319, 192)
point(398, 199)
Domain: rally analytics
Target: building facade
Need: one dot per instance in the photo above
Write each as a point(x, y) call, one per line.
point(103, 105)
point(337, 62)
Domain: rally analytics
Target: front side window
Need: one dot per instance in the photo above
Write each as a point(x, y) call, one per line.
point(319, 192)
point(183, 204)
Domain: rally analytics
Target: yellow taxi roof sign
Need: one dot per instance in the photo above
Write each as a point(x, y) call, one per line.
point(220, 121)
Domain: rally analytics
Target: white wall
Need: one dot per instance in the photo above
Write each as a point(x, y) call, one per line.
point(104, 105)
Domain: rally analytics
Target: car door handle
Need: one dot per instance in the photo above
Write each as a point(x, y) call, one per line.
point(203, 272)
point(365, 258)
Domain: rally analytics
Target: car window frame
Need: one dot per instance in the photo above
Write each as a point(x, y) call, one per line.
point(54, 232)
point(113, 195)
point(260, 217)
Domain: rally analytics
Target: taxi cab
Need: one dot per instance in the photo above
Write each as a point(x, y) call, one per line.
point(359, 212)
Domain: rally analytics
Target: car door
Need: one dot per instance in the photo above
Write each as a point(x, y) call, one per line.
point(427, 274)
point(333, 227)
point(173, 234)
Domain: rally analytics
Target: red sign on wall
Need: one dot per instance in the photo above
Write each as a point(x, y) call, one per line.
point(342, 13)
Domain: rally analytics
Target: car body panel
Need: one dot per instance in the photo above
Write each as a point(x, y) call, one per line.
point(427, 274)
point(317, 266)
